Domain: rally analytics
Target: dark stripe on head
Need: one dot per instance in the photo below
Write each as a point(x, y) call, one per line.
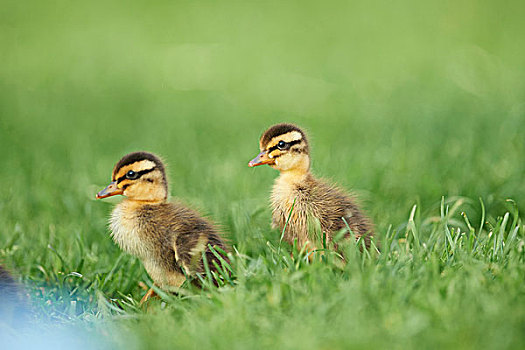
point(280, 129)
point(298, 150)
point(137, 157)
point(138, 174)
point(287, 147)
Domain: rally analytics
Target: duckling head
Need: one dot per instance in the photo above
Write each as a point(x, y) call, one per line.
point(139, 176)
point(284, 147)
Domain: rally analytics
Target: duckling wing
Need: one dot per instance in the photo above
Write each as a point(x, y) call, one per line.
point(332, 204)
point(192, 240)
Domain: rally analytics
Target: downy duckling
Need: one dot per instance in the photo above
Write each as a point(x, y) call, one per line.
point(168, 238)
point(315, 203)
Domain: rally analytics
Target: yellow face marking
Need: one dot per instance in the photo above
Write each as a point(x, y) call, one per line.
point(288, 137)
point(123, 183)
point(274, 153)
point(136, 167)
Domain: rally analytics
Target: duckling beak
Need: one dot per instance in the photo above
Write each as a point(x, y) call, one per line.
point(110, 190)
point(262, 158)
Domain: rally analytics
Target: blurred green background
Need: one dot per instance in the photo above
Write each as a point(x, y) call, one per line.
point(404, 101)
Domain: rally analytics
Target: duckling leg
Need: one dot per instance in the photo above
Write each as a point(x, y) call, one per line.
point(150, 293)
point(309, 249)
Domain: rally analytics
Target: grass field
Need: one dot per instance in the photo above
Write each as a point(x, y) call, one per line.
point(419, 107)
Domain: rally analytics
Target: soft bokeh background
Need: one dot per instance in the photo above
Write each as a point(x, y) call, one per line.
point(405, 102)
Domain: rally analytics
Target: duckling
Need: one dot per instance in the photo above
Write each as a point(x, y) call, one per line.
point(167, 237)
point(285, 147)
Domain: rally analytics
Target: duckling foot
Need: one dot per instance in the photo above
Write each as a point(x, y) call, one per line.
point(149, 294)
point(309, 250)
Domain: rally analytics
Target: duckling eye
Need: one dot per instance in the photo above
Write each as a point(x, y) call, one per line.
point(131, 175)
point(281, 144)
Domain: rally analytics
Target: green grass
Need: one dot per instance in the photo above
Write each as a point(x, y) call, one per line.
point(417, 106)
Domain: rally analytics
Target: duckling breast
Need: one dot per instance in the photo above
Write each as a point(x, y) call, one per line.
point(126, 226)
point(291, 204)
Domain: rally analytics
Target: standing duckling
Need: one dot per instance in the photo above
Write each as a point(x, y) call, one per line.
point(315, 203)
point(168, 238)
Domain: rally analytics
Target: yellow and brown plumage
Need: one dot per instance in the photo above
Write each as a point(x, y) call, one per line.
point(167, 237)
point(315, 202)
